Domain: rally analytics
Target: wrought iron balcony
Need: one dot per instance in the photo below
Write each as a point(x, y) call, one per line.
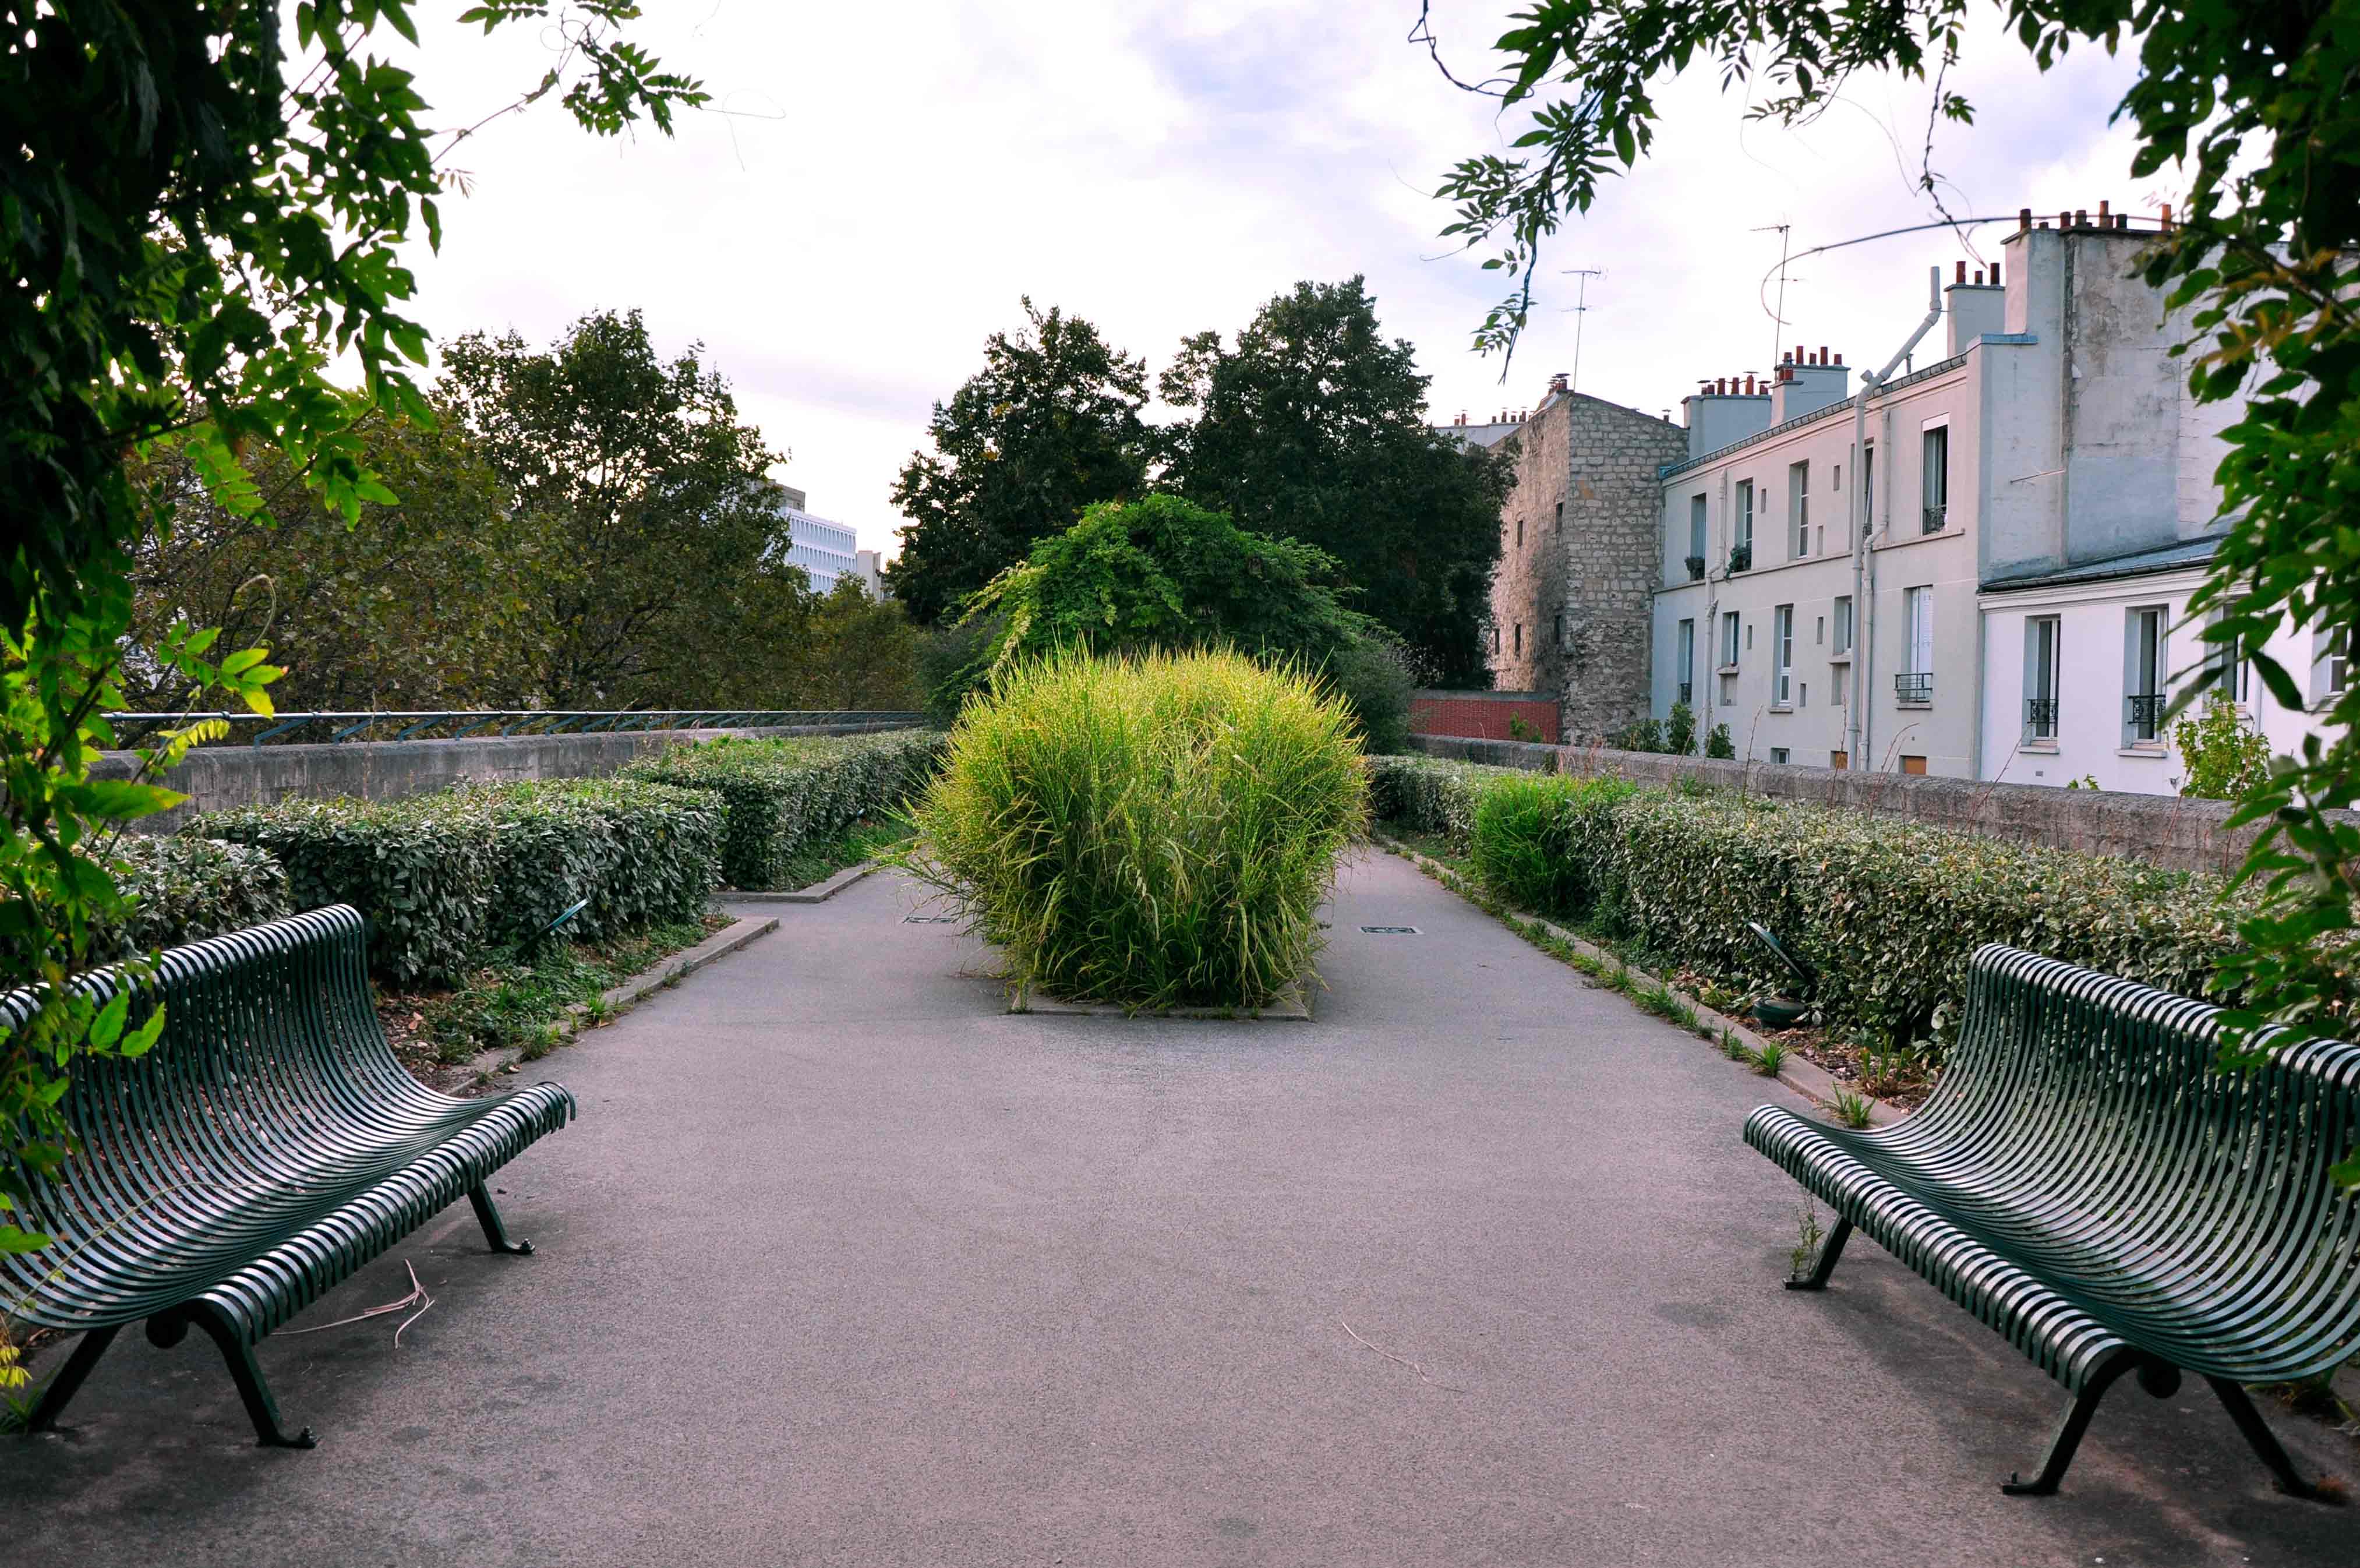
point(1686, 687)
point(1914, 685)
point(2040, 717)
point(1934, 517)
point(1741, 559)
point(2145, 713)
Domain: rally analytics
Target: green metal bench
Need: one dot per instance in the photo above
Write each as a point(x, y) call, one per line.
point(264, 1149)
point(2086, 1182)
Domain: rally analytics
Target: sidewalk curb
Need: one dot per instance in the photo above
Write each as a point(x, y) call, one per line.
point(818, 893)
point(484, 1067)
point(1808, 1079)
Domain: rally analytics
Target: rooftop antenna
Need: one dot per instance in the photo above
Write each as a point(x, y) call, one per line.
point(1778, 316)
point(1580, 309)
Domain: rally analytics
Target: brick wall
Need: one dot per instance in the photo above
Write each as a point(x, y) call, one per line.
point(2163, 830)
point(1482, 715)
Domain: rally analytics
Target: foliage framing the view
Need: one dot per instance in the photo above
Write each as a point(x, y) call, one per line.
point(196, 226)
point(2252, 101)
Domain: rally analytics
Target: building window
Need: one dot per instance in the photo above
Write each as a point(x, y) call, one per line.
point(2331, 666)
point(1780, 755)
point(1558, 635)
point(1798, 503)
point(1520, 534)
point(1495, 640)
point(1781, 656)
point(1914, 766)
point(1520, 640)
point(1915, 684)
point(1819, 631)
point(1840, 759)
point(2144, 667)
point(2040, 635)
point(1695, 537)
point(1684, 659)
point(1843, 628)
point(1868, 486)
point(1560, 517)
point(1743, 536)
point(1728, 640)
point(1937, 477)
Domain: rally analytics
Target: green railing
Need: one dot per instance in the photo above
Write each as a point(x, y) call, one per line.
point(450, 724)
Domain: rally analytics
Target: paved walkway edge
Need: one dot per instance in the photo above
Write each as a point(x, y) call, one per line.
point(638, 989)
point(1805, 1078)
point(818, 893)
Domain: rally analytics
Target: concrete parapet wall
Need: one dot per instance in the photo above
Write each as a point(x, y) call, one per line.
point(217, 778)
point(2170, 831)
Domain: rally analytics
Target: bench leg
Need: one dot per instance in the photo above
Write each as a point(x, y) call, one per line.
point(1830, 1249)
point(244, 1371)
point(2069, 1433)
point(62, 1387)
point(2265, 1442)
point(487, 1214)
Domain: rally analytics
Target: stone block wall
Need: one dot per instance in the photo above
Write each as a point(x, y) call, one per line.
point(1581, 585)
point(2164, 830)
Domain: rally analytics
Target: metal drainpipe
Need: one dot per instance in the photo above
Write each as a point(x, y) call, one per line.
point(1864, 581)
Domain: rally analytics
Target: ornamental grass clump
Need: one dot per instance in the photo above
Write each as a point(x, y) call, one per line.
point(1156, 830)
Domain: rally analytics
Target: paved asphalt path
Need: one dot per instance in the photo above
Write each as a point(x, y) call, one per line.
point(843, 1265)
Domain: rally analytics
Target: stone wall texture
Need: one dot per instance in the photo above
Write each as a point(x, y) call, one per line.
point(216, 777)
point(1579, 587)
point(2163, 830)
point(1483, 715)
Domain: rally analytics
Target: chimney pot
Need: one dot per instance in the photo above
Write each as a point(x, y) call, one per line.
point(2065, 220)
point(1995, 274)
point(2081, 217)
point(1962, 276)
point(1979, 277)
point(2167, 217)
point(1838, 357)
point(2104, 221)
point(2023, 218)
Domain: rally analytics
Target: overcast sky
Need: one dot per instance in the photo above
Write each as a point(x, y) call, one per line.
point(879, 195)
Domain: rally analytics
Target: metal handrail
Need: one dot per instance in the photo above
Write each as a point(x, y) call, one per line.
point(2040, 717)
point(129, 727)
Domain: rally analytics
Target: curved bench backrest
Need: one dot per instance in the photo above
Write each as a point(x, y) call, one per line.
point(271, 1060)
point(2089, 1112)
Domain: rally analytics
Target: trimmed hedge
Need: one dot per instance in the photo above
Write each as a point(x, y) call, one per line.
point(187, 889)
point(786, 796)
point(1429, 795)
point(1888, 912)
point(446, 879)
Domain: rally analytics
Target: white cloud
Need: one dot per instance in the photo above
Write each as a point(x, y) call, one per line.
point(886, 184)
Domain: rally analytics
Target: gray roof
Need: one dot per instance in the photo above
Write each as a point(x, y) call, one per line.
point(2138, 564)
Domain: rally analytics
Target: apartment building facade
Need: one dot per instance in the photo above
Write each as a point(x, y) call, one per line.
point(2038, 507)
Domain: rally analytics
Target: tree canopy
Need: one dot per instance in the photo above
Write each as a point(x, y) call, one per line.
point(1163, 573)
point(1314, 427)
point(200, 221)
point(1048, 426)
point(658, 494)
point(2252, 101)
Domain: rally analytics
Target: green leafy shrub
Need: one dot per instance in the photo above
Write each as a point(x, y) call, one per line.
point(445, 880)
point(1156, 830)
point(784, 796)
point(2226, 758)
point(420, 871)
point(185, 889)
point(1680, 730)
point(1529, 843)
point(1428, 794)
point(1888, 912)
point(1375, 677)
point(1718, 744)
point(1639, 735)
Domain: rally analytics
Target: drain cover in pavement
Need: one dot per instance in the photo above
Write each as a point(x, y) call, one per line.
point(1390, 930)
point(929, 919)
